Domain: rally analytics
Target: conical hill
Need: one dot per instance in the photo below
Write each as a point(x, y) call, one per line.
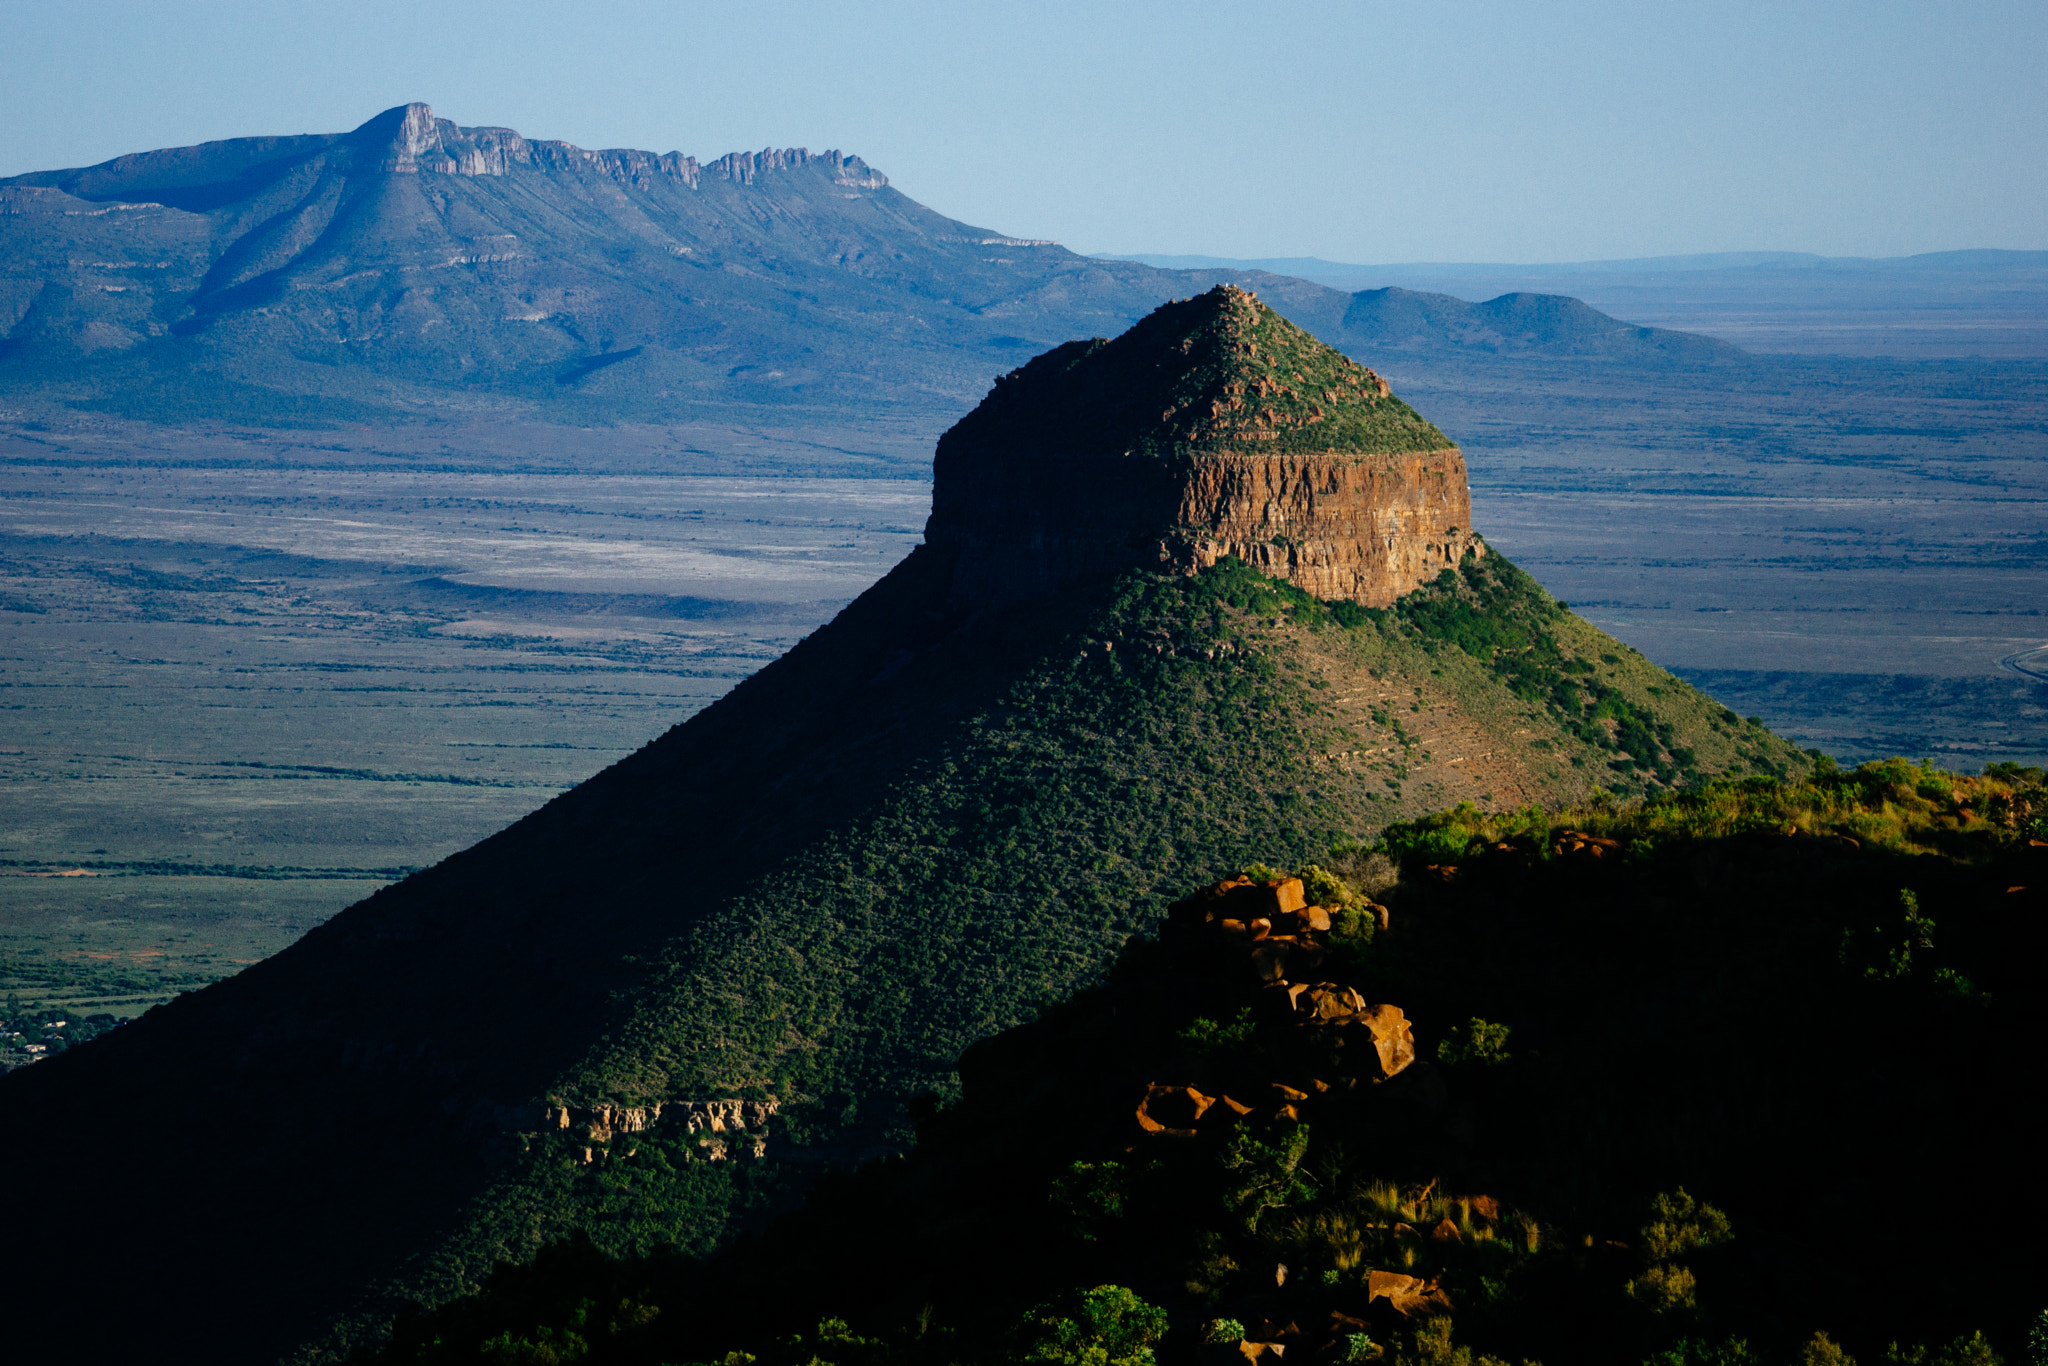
point(1214, 427)
point(762, 934)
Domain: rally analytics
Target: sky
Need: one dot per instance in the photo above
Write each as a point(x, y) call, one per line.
point(1364, 132)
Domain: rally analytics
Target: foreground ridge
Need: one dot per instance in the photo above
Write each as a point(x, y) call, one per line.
point(1576, 1150)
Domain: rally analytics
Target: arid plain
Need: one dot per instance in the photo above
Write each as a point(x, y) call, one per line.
point(252, 676)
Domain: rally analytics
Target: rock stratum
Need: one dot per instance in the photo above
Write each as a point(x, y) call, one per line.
point(956, 800)
point(1214, 427)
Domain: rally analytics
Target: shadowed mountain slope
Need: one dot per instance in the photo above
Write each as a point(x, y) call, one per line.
point(795, 910)
point(1491, 1107)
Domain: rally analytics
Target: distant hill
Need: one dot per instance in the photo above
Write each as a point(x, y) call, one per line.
point(417, 266)
point(1348, 274)
point(791, 913)
point(1983, 304)
point(1516, 324)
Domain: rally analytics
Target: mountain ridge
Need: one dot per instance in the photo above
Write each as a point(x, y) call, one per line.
point(407, 137)
point(414, 267)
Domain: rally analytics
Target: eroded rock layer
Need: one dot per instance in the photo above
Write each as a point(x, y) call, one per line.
point(1214, 427)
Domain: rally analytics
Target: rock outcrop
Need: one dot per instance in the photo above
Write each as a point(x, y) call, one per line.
point(1214, 427)
point(410, 140)
point(720, 1128)
point(1253, 934)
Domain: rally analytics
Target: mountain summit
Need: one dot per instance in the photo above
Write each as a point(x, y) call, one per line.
point(1214, 427)
point(652, 1008)
point(415, 266)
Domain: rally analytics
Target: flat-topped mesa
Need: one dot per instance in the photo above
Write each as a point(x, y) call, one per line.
point(1213, 427)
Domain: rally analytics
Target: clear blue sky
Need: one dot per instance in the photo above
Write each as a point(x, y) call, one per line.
point(1354, 131)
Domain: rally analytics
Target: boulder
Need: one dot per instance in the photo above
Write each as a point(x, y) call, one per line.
point(1172, 1110)
point(1392, 1038)
point(1332, 1002)
point(1270, 961)
point(1248, 899)
point(1313, 918)
point(1411, 1296)
point(1447, 1232)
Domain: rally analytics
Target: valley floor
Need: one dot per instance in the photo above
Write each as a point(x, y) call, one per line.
point(236, 702)
point(249, 678)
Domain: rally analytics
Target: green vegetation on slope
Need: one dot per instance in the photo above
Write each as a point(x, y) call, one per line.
point(917, 827)
point(1689, 1074)
point(1241, 377)
point(1164, 737)
point(1495, 613)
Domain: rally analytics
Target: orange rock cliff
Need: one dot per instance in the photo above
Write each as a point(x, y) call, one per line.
point(1213, 427)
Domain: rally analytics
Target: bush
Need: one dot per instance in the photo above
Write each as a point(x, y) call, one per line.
point(1106, 1326)
point(1824, 1351)
point(1970, 1351)
point(1476, 1041)
point(1680, 1226)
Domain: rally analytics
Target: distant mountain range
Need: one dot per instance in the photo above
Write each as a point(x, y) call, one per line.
point(1949, 304)
point(416, 265)
point(1345, 274)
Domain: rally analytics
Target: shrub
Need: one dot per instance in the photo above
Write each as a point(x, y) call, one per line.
point(1431, 1345)
point(1265, 1176)
point(1092, 1196)
point(1970, 1351)
point(1324, 888)
point(1665, 1288)
point(1824, 1351)
point(1105, 1326)
point(1680, 1225)
point(1475, 1042)
point(1208, 1036)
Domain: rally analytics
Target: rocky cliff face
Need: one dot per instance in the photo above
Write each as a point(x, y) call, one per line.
point(409, 140)
point(1215, 427)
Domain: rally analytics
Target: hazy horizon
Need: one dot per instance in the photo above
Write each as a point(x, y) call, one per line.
point(1353, 133)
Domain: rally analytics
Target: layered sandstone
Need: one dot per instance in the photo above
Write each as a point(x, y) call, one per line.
point(1214, 427)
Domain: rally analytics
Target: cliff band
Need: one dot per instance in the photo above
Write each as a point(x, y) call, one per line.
point(1214, 427)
